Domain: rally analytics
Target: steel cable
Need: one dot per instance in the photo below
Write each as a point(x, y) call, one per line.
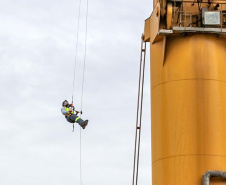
point(138, 104)
point(139, 113)
point(76, 49)
point(83, 80)
point(84, 61)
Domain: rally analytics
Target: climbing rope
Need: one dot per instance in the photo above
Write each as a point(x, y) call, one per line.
point(84, 61)
point(83, 77)
point(76, 49)
point(80, 156)
point(83, 80)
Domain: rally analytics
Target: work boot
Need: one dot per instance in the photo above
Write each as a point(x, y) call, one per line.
point(84, 124)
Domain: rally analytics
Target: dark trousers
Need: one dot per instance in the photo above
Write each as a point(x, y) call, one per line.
point(73, 118)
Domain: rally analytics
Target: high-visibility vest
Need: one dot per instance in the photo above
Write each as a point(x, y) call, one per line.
point(69, 113)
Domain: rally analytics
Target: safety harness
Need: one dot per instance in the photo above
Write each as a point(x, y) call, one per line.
point(72, 112)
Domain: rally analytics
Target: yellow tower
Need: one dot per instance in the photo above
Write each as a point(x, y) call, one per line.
point(188, 91)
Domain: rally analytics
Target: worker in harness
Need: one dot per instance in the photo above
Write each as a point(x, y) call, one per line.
point(71, 117)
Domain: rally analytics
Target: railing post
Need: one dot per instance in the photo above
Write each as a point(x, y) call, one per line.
point(221, 18)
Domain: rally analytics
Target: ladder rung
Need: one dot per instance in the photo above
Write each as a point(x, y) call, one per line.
point(138, 127)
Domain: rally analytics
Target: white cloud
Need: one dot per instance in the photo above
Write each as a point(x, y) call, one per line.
point(37, 54)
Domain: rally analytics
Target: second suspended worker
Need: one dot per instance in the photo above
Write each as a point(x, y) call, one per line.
point(71, 115)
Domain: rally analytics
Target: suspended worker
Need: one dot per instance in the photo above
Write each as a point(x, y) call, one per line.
point(71, 117)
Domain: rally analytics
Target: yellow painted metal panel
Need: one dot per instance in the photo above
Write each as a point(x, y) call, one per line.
point(190, 57)
point(184, 115)
point(147, 30)
point(187, 170)
point(157, 58)
point(188, 92)
point(154, 21)
point(188, 108)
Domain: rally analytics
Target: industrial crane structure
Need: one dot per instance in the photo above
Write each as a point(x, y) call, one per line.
point(188, 91)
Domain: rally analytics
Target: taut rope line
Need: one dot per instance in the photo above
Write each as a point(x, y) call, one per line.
point(83, 80)
point(76, 50)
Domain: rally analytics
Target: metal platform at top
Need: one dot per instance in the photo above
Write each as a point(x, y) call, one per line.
point(175, 29)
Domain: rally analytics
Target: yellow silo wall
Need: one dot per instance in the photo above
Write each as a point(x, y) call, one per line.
point(188, 110)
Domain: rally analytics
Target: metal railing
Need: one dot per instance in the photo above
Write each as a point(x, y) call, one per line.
point(185, 18)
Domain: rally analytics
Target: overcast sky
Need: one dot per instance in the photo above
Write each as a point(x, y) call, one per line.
point(37, 53)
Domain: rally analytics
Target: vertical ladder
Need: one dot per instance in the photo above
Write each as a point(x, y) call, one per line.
point(139, 111)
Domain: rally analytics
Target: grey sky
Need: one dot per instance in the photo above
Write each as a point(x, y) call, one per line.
point(37, 54)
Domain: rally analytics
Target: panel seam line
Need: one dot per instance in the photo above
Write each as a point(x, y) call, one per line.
point(186, 80)
point(188, 155)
